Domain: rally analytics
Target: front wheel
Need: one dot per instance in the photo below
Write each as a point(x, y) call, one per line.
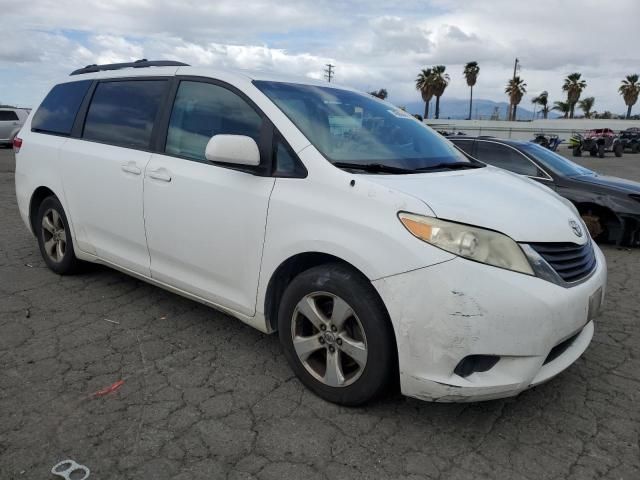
point(54, 237)
point(577, 152)
point(601, 151)
point(336, 335)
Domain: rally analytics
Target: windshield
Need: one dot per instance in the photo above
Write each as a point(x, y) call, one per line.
point(555, 162)
point(352, 129)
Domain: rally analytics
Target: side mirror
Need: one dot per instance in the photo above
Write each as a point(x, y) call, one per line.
point(234, 149)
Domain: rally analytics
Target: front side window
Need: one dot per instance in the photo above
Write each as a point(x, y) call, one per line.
point(505, 157)
point(350, 128)
point(202, 110)
point(553, 161)
point(58, 110)
point(123, 112)
point(8, 116)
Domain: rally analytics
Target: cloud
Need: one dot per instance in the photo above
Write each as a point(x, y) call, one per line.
point(373, 44)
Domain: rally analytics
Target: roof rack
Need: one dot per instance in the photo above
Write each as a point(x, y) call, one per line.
point(143, 63)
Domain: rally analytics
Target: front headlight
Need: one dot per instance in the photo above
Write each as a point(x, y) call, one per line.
point(485, 246)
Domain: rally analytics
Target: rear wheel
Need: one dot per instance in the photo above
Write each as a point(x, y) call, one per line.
point(593, 152)
point(601, 151)
point(54, 237)
point(617, 150)
point(577, 152)
point(336, 335)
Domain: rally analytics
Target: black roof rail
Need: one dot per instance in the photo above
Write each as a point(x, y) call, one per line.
point(137, 64)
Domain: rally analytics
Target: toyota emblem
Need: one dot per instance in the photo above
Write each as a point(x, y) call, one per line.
point(575, 226)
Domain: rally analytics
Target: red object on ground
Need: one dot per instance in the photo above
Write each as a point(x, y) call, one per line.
point(109, 389)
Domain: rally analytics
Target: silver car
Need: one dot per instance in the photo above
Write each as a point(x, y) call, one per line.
point(11, 121)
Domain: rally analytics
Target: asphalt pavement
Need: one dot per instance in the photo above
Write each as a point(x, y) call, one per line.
point(206, 397)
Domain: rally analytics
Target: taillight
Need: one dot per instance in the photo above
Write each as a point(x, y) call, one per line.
point(17, 143)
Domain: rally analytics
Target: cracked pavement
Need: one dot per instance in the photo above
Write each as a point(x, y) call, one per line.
point(206, 397)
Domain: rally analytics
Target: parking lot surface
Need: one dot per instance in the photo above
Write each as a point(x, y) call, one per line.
point(205, 397)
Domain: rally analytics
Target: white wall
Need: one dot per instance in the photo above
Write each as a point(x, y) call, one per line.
point(526, 130)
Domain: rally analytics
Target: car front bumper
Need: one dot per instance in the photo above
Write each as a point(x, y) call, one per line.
point(447, 312)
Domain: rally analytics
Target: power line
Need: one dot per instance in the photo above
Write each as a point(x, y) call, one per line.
point(329, 72)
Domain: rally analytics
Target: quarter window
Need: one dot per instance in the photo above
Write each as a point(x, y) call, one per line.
point(8, 116)
point(123, 112)
point(202, 110)
point(58, 110)
point(505, 157)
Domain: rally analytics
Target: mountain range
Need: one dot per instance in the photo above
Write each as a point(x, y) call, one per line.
point(457, 108)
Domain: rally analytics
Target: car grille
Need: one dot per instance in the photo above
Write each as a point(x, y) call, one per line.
point(570, 261)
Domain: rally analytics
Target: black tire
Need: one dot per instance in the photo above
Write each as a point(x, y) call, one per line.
point(601, 151)
point(593, 152)
point(617, 150)
point(381, 352)
point(577, 152)
point(635, 147)
point(67, 263)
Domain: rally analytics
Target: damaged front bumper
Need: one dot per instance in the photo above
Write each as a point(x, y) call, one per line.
point(461, 309)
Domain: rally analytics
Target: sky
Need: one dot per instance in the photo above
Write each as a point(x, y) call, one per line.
point(373, 44)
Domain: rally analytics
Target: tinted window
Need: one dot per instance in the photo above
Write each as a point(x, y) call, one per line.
point(287, 162)
point(465, 145)
point(555, 162)
point(8, 116)
point(58, 110)
point(505, 157)
point(202, 110)
point(123, 112)
point(351, 127)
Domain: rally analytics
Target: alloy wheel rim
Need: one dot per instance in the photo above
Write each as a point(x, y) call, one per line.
point(329, 339)
point(54, 235)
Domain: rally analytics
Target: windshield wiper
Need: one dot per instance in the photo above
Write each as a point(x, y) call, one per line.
point(374, 167)
point(448, 166)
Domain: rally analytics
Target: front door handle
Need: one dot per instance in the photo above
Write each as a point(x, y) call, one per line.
point(160, 174)
point(131, 167)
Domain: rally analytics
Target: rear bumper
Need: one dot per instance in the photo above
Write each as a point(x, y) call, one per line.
point(444, 313)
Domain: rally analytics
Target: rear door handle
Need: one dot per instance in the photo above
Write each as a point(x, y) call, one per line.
point(160, 174)
point(131, 167)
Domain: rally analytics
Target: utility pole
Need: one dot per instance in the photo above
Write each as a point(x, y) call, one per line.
point(328, 72)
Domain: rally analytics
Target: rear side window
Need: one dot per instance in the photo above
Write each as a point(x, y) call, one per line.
point(8, 116)
point(58, 110)
point(123, 112)
point(202, 110)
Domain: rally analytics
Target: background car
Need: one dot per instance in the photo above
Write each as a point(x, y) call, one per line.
point(11, 121)
point(630, 139)
point(597, 142)
point(609, 206)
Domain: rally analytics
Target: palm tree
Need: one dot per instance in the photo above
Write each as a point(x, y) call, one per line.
point(586, 105)
point(471, 71)
point(543, 101)
point(574, 86)
point(516, 88)
point(424, 84)
point(381, 94)
point(562, 107)
point(629, 90)
point(440, 82)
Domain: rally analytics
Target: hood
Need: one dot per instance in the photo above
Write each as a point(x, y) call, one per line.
point(619, 184)
point(492, 198)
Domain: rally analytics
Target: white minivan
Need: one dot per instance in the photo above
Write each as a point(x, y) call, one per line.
point(382, 254)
